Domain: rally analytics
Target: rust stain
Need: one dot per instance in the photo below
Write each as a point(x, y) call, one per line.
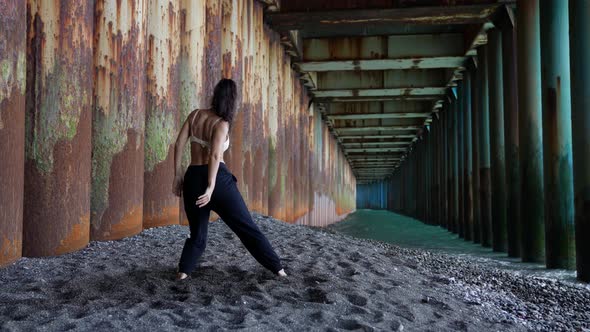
point(130, 224)
point(12, 127)
point(166, 216)
point(76, 239)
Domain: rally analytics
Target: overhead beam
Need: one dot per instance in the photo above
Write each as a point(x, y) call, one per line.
point(374, 136)
point(355, 116)
point(375, 150)
point(374, 166)
point(383, 64)
point(376, 128)
point(407, 91)
point(384, 47)
point(354, 99)
point(375, 143)
point(442, 15)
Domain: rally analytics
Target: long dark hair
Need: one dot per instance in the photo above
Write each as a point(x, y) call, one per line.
point(224, 99)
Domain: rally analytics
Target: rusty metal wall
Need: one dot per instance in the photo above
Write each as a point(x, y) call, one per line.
point(287, 163)
point(12, 126)
point(160, 206)
point(194, 51)
point(116, 199)
point(106, 89)
point(57, 125)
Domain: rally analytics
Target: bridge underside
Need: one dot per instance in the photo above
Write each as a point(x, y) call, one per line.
point(463, 114)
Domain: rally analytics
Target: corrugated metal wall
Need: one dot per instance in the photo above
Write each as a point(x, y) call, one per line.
point(107, 88)
point(373, 195)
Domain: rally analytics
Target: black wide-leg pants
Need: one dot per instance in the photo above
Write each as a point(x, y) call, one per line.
point(228, 203)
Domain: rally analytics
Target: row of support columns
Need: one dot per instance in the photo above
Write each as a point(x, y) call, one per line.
point(506, 161)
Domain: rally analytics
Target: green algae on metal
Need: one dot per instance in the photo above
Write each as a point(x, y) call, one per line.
point(160, 132)
point(110, 138)
point(11, 72)
point(57, 117)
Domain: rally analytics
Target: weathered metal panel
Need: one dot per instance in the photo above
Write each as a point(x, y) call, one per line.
point(192, 94)
point(13, 50)
point(58, 122)
point(497, 149)
point(116, 199)
point(580, 53)
point(530, 130)
point(557, 135)
point(160, 206)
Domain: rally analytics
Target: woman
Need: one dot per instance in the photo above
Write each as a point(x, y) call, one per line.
point(209, 185)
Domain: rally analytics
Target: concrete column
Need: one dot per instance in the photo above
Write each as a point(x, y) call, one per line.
point(580, 53)
point(497, 150)
point(530, 131)
point(557, 135)
point(485, 197)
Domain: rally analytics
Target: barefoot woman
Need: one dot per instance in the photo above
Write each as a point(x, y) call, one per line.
point(209, 185)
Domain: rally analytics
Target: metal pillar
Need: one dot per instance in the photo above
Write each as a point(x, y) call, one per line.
point(475, 153)
point(445, 181)
point(455, 167)
point(557, 135)
point(116, 199)
point(497, 150)
point(460, 159)
point(436, 147)
point(511, 133)
point(530, 131)
point(580, 53)
point(468, 157)
point(56, 213)
point(485, 199)
point(13, 55)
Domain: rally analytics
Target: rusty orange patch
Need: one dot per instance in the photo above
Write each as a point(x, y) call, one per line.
point(77, 239)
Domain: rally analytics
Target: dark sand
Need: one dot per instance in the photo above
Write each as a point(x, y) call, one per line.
point(335, 283)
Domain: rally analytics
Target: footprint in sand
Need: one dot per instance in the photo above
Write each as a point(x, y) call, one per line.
point(405, 312)
point(353, 324)
point(314, 280)
point(343, 264)
point(316, 295)
point(355, 310)
point(317, 316)
point(357, 299)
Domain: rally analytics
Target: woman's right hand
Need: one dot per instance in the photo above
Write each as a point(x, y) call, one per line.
point(177, 186)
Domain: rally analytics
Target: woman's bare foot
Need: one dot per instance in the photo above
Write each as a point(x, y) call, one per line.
point(282, 273)
point(181, 276)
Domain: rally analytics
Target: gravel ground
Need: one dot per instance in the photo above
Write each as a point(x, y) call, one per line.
point(335, 283)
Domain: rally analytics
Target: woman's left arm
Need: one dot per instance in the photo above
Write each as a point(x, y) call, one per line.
point(178, 148)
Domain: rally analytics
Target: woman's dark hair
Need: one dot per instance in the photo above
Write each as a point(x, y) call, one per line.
point(224, 99)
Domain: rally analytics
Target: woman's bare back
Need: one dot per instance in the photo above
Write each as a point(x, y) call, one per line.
point(202, 123)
